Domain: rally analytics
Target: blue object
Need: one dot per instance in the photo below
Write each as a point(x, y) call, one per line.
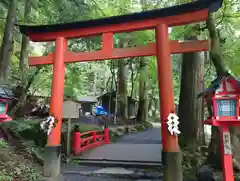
point(226, 107)
point(100, 110)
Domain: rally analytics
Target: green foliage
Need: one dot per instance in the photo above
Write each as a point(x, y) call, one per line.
point(3, 143)
point(79, 76)
point(21, 125)
point(81, 127)
point(28, 130)
point(146, 125)
point(193, 158)
point(15, 167)
point(31, 136)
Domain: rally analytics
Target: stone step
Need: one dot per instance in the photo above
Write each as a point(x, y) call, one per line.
point(114, 163)
point(113, 172)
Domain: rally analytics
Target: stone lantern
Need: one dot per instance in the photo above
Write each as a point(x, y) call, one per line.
point(222, 101)
point(6, 96)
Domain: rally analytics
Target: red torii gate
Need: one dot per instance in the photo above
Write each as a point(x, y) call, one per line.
point(160, 20)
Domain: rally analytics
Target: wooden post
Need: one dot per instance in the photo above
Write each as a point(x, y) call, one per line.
point(53, 147)
point(171, 155)
point(69, 130)
point(227, 165)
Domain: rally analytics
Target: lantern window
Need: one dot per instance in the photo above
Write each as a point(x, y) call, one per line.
point(2, 108)
point(226, 107)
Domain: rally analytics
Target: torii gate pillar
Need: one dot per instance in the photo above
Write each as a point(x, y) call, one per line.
point(53, 147)
point(170, 153)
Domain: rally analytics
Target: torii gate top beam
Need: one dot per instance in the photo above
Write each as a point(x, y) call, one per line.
point(172, 16)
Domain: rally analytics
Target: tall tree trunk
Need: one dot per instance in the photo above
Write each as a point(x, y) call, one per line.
point(7, 44)
point(22, 89)
point(132, 79)
point(215, 51)
point(199, 102)
point(142, 114)
point(190, 108)
point(122, 97)
point(214, 157)
point(92, 83)
point(23, 64)
point(113, 82)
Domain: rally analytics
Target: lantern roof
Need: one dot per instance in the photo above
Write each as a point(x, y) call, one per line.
point(215, 84)
point(6, 92)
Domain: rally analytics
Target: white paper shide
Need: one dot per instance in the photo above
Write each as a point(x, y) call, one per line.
point(173, 124)
point(48, 124)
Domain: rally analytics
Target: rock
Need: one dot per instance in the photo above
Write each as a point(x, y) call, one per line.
point(143, 127)
point(120, 129)
point(119, 134)
point(134, 130)
point(206, 173)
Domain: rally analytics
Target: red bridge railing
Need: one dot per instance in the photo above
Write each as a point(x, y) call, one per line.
point(89, 140)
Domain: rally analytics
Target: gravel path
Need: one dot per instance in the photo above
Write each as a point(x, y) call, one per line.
point(151, 136)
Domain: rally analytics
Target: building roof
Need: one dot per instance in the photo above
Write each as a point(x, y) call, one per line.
point(92, 99)
point(113, 94)
point(211, 5)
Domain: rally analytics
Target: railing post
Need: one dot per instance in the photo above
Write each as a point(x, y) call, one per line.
point(94, 134)
point(76, 143)
point(106, 134)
